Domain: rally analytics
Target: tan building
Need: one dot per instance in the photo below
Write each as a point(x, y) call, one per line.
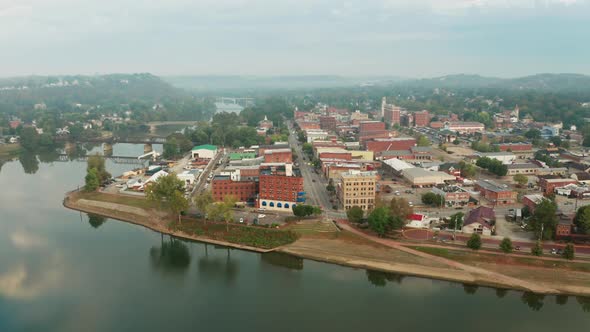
point(357, 189)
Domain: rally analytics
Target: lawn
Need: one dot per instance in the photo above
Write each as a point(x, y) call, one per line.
point(7, 150)
point(474, 258)
point(253, 236)
point(139, 202)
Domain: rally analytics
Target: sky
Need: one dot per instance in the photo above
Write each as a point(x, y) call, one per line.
point(416, 38)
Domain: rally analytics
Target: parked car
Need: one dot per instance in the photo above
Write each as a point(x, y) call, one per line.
point(554, 251)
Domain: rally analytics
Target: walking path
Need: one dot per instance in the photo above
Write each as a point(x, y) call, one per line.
point(476, 271)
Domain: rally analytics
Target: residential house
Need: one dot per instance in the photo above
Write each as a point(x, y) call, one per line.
point(481, 220)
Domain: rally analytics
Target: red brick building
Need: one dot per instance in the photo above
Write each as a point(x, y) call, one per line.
point(328, 122)
point(421, 119)
point(549, 183)
point(392, 115)
point(399, 143)
point(366, 127)
point(222, 186)
point(278, 156)
point(305, 125)
point(336, 155)
point(375, 134)
point(496, 194)
point(564, 225)
point(280, 187)
point(515, 147)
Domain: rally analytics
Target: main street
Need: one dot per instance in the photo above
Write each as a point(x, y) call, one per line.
point(314, 184)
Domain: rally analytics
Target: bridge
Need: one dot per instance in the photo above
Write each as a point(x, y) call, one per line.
point(63, 157)
point(155, 124)
point(244, 102)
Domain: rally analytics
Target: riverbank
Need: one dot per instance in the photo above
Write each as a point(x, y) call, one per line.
point(9, 150)
point(142, 216)
point(356, 249)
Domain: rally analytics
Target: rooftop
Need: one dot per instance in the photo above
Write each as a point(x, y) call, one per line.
point(205, 147)
point(492, 186)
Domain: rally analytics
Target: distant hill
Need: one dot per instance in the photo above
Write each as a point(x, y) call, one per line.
point(542, 82)
point(253, 83)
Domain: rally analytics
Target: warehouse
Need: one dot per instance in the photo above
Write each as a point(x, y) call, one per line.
point(423, 178)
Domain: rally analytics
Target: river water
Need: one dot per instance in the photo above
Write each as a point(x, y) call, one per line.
point(61, 270)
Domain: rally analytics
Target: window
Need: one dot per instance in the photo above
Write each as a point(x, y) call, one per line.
point(272, 204)
point(279, 205)
point(286, 205)
point(263, 203)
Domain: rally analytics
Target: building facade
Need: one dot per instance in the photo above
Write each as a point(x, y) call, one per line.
point(242, 191)
point(495, 193)
point(358, 189)
point(279, 188)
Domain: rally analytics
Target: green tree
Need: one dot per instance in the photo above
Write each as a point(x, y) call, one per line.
point(433, 199)
point(91, 180)
point(521, 179)
point(569, 251)
point(545, 219)
point(380, 220)
point(456, 220)
point(97, 162)
point(303, 210)
point(423, 141)
point(474, 242)
point(582, 219)
point(533, 134)
point(170, 148)
point(399, 207)
point(506, 245)
point(168, 192)
point(467, 170)
point(307, 148)
point(537, 249)
point(29, 139)
point(330, 187)
point(203, 200)
point(355, 214)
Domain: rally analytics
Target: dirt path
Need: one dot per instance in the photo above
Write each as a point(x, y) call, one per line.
point(478, 273)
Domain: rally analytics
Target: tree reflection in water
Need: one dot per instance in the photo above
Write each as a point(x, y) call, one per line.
point(29, 162)
point(171, 256)
point(470, 288)
point(282, 260)
point(380, 278)
point(214, 267)
point(584, 303)
point(501, 292)
point(95, 220)
point(534, 301)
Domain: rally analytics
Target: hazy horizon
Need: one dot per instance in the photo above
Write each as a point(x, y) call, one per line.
point(262, 38)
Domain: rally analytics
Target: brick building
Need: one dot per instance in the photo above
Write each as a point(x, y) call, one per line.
point(328, 122)
point(398, 143)
point(495, 193)
point(549, 183)
point(391, 114)
point(280, 187)
point(422, 119)
point(278, 156)
point(366, 127)
point(222, 186)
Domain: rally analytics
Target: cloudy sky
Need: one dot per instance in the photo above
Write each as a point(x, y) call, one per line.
point(417, 38)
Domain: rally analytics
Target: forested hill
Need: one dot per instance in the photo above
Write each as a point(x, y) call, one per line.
point(114, 92)
point(539, 82)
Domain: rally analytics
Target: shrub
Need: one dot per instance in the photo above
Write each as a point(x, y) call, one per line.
point(474, 242)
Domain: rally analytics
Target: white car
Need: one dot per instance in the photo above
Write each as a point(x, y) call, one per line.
point(260, 216)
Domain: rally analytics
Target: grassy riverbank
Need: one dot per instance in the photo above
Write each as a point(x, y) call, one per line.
point(139, 210)
point(9, 150)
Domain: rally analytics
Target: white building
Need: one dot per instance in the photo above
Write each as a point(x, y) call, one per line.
point(506, 158)
point(421, 177)
point(206, 151)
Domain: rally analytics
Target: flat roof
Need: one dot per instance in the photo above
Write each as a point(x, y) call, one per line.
point(205, 147)
point(492, 186)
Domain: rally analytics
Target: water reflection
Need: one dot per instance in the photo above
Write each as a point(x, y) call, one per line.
point(282, 260)
point(501, 292)
point(95, 220)
point(171, 256)
point(561, 299)
point(584, 303)
point(380, 279)
point(533, 300)
point(213, 266)
point(470, 288)
point(29, 162)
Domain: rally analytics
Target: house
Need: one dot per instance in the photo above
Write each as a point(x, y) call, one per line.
point(453, 195)
point(565, 222)
point(549, 183)
point(525, 168)
point(418, 221)
point(480, 221)
point(206, 151)
point(450, 168)
point(13, 140)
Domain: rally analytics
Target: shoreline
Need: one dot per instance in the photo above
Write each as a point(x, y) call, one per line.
point(297, 249)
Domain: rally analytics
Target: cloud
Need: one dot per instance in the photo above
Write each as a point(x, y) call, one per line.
point(19, 283)
point(25, 240)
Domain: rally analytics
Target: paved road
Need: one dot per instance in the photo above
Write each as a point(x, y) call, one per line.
point(313, 183)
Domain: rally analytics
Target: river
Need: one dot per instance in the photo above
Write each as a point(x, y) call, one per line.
point(61, 270)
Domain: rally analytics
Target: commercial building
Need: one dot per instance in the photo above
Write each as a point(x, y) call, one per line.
point(390, 113)
point(531, 201)
point(464, 127)
point(495, 193)
point(278, 156)
point(316, 135)
point(549, 183)
point(280, 187)
point(328, 122)
point(206, 151)
point(422, 118)
point(357, 188)
point(521, 150)
point(366, 127)
point(453, 195)
point(526, 169)
point(505, 157)
point(388, 144)
point(242, 191)
point(420, 177)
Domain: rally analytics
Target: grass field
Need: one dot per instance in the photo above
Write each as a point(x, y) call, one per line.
point(475, 258)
